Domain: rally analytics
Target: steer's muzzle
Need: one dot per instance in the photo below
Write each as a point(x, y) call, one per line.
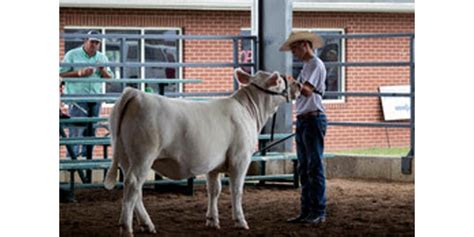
point(294, 88)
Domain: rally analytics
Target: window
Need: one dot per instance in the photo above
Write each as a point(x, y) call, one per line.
point(131, 51)
point(162, 50)
point(333, 51)
point(138, 51)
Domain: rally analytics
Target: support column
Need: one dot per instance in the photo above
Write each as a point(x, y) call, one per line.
point(274, 27)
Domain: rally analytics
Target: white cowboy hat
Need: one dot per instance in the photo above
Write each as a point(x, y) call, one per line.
point(295, 36)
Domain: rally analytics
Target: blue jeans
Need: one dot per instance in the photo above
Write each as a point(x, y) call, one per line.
point(80, 131)
point(310, 134)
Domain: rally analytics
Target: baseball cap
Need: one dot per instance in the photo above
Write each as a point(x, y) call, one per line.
point(93, 35)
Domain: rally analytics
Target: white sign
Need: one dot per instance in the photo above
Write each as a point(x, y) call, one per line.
point(395, 108)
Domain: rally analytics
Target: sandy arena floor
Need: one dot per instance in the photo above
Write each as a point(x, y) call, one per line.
point(355, 207)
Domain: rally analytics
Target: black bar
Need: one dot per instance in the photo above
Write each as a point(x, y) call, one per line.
point(412, 91)
point(190, 187)
point(121, 175)
point(272, 132)
point(262, 168)
point(265, 148)
point(161, 89)
point(71, 174)
point(89, 132)
point(105, 157)
point(255, 56)
point(407, 162)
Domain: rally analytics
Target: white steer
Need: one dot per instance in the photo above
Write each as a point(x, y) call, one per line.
point(180, 139)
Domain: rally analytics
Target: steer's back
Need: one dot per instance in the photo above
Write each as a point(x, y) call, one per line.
point(186, 137)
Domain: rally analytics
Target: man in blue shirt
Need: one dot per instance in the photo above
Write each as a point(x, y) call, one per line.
point(86, 53)
point(311, 127)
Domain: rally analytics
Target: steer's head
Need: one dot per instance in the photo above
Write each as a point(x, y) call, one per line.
point(270, 83)
point(295, 88)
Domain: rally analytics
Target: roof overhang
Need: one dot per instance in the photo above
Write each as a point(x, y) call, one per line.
point(245, 5)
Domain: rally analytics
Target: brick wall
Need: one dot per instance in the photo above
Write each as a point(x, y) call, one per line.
point(366, 109)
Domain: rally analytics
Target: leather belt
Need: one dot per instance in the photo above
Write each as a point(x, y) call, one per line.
point(309, 114)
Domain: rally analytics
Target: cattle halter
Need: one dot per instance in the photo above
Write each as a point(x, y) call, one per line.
point(284, 93)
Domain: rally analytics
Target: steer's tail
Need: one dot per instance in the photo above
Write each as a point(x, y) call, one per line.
point(115, 122)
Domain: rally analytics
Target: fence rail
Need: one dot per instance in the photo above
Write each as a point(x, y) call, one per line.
point(406, 164)
point(132, 80)
point(154, 36)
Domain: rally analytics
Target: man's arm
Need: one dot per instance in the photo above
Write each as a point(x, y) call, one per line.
point(71, 74)
point(104, 73)
point(85, 72)
point(68, 71)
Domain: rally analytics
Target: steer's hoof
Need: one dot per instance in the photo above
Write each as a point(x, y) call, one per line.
point(125, 233)
point(147, 229)
point(241, 225)
point(211, 223)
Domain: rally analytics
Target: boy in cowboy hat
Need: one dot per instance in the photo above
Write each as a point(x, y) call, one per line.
point(311, 127)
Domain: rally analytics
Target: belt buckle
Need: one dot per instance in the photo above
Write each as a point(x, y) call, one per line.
point(308, 114)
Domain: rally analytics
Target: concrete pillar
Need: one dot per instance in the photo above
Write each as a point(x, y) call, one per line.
point(274, 26)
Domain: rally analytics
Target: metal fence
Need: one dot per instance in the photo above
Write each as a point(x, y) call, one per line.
point(123, 37)
point(407, 160)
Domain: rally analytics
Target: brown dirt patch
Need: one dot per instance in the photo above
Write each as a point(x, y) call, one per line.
point(355, 207)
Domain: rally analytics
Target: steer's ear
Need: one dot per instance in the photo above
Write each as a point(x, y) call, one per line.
point(242, 76)
point(273, 79)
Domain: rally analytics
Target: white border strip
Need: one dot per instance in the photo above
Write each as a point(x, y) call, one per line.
point(242, 5)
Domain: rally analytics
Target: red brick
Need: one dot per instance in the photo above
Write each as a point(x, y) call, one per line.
point(230, 23)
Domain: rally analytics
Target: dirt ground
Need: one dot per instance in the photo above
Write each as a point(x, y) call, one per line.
point(355, 207)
